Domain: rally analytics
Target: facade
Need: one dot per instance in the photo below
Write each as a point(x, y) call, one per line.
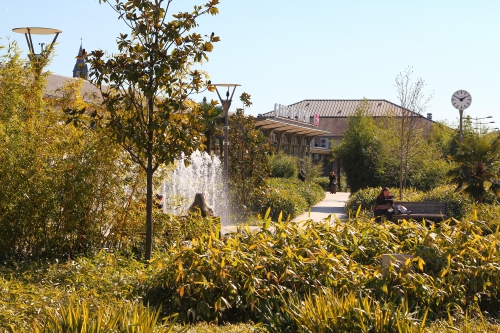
point(289, 130)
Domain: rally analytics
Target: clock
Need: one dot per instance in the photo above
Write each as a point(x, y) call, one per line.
point(461, 99)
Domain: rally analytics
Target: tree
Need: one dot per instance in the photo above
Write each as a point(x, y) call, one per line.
point(478, 163)
point(249, 165)
point(212, 116)
point(413, 104)
point(146, 85)
point(360, 152)
point(443, 137)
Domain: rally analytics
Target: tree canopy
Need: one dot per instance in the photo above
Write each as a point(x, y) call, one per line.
point(361, 151)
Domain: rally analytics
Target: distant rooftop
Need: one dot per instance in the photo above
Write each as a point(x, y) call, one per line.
point(344, 107)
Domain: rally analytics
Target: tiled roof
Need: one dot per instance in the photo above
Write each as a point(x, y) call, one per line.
point(55, 82)
point(344, 107)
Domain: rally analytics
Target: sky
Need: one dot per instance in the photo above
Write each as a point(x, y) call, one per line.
point(285, 51)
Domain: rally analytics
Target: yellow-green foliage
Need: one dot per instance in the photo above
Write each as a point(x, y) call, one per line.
point(249, 275)
point(29, 291)
point(62, 187)
point(81, 318)
point(327, 311)
point(267, 276)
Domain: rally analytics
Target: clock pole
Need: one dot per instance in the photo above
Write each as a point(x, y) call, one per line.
point(460, 131)
point(461, 100)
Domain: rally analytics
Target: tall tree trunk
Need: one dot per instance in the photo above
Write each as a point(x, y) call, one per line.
point(401, 156)
point(149, 208)
point(149, 183)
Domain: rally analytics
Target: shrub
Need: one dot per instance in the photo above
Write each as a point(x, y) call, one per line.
point(323, 182)
point(291, 197)
point(457, 205)
point(429, 175)
point(283, 165)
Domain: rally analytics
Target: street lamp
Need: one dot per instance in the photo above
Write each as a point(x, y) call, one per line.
point(478, 124)
point(226, 103)
point(35, 58)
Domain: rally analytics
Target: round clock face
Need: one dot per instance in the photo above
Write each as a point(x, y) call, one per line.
point(461, 99)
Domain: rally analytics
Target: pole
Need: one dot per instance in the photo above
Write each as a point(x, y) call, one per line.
point(225, 105)
point(460, 130)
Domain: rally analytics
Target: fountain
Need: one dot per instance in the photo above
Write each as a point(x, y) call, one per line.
point(200, 173)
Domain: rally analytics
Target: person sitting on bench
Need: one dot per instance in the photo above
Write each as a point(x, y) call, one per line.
point(384, 205)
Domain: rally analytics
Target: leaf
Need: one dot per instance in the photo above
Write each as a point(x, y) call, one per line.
point(421, 264)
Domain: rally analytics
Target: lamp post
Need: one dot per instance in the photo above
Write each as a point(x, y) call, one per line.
point(226, 103)
point(478, 124)
point(37, 58)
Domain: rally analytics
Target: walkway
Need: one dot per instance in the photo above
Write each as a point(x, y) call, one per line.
point(331, 204)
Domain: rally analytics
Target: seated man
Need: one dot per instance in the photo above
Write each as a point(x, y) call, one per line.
point(384, 205)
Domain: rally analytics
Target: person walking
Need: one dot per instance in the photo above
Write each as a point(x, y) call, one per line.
point(333, 183)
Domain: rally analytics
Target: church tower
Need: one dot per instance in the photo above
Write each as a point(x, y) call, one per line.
point(81, 70)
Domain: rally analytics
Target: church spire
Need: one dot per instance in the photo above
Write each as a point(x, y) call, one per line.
point(80, 70)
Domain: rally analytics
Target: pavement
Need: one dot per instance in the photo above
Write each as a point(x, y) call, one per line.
point(332, 204)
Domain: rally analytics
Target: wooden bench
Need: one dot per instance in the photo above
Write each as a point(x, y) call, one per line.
point(434, 211)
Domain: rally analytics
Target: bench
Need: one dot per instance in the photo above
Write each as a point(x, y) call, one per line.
point(433, 211)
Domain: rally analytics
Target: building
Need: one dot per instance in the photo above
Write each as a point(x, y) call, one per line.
point(329, 119)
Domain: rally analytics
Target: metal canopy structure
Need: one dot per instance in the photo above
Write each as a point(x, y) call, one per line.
point(288, 126)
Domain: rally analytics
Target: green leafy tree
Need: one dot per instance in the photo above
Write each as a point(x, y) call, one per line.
point(146, 85)
point(443, 137)
point(478, 163)
point(249, 165)
point(361, 151)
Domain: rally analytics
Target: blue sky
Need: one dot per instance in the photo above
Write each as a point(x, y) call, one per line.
point(284, 51)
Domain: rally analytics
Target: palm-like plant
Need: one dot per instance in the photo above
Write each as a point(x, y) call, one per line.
point(478, 162)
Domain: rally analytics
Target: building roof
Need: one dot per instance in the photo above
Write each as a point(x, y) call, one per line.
point(333, 113)
point(56, 82)
point(345, 107)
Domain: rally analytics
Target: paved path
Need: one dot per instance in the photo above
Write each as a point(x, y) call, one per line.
point(331, 204)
